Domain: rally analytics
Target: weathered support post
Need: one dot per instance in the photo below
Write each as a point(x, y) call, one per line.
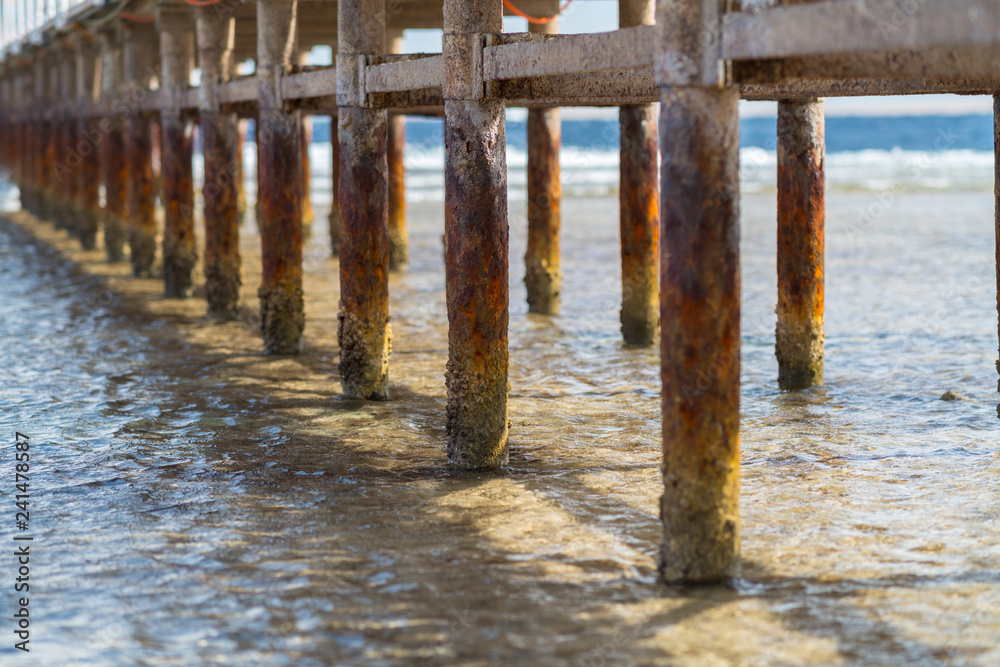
point(220, 147)
point(43, 159)
point(543, 277)
point(65, 168)
point(363, 322)
point(113, 165)
point(88, 201)
point(279, 193)
point(700, 295)
point(801, 217)
point(177, 57)
point(140, 52)
point(56, 174)
point(638, 196)
point(399, 243)
point(996, 196)
point(306, 134)
point(334, 219)
point(476, 242)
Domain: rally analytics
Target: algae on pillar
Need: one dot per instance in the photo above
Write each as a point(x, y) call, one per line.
point(176, 132)
point(279, 194)
point(699, 298)
point(543, 276)
point(363, 329)
point(476, 243)
point(220, 147)
point(801, 218)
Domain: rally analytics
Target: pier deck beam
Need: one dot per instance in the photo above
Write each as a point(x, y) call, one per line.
point(364, 333)
point(699, 298)
point(113, 162)
point(176, 132)
point(542, 276)
point(279, 194)
point(476, 243)
point(88, 198)
point(399, 243)
point(638, 197)
point(801, 216)
point(140, 56)
point(220, 147)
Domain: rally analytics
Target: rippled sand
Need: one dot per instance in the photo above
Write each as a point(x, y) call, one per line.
point(199, 503)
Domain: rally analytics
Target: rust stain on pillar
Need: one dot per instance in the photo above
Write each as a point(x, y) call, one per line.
point(140, 57)
point(476, 245)
point(543, 276)
point(176, 52)
point(363, 332)
point(279, 194)
point(801, 218)
point(638, 201)
point(220, 147)
point(700, 336)
point(334, 219)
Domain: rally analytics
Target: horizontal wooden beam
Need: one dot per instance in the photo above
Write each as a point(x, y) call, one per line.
point(426, 72)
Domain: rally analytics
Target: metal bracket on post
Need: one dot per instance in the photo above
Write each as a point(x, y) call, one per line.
point(351, 72)
point(463, 74)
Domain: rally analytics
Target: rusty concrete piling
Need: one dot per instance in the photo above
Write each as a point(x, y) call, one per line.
point(306, 135)
point(220, 148)
point(334, 219)
point(140, 60)
point(113, 163)
point(43, 159)
point(65, 174)
point(801, 217)
point(699, 299)
point(399, 242)
point(176, 132)
point(363, 328)
point(996, 197)
point(476, 242)
point(542, 273)
point(638, 196)
point(86, 149)
point(279, 194)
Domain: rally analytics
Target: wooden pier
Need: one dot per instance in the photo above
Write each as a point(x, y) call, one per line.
point(100, 98)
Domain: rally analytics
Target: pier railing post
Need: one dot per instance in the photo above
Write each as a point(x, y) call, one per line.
point(140, 60)
point(542, 276)
point(220, 148)
point(113, 165)
point(476, 242)
point(399, 244)
point(638, 196)
point(88, 210)
point(699, 295)
point(363, 323)
point(801, 216)
point(279, 193)
point(176, 132)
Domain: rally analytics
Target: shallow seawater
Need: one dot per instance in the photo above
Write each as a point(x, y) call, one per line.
point(194, 502)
